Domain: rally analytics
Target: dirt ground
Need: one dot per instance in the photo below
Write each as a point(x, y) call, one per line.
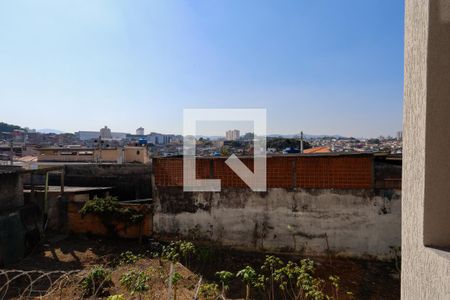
point(366, 279)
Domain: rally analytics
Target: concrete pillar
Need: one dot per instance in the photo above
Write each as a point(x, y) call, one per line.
point(426, 151)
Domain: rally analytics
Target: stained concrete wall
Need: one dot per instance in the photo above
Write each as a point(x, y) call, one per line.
point(426, 151)
point(20, 225)
point(357, 223)
point(11, 190)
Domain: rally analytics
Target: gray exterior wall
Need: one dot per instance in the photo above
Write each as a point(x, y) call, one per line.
point(11, 191)
point(426, 151)
point(356, 223)
point(20, 225)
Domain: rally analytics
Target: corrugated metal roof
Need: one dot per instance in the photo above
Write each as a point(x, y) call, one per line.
point(5, 170)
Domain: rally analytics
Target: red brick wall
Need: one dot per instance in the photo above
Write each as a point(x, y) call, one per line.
point(337, 172)
point(334, 172)
point(281, 172)
point(227, 176)
point(168, 171)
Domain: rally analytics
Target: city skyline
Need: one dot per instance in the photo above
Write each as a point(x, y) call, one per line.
point(323, 69)
point(245, 128)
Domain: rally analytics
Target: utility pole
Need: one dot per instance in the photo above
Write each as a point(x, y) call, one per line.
point(100, 142)
point(11, 152)
point(301, 142)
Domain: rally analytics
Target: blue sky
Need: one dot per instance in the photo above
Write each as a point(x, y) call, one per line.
point(324, 67)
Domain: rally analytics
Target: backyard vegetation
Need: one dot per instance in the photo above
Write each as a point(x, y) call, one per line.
point(109, 210)
point(83, 267)
point(132, 276)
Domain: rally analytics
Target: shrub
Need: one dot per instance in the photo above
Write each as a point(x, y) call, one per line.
point(225, 277)
point(248, 276)
point(179, 249)
point(97, 282)
point(128, 258)
point(176, 277)
point(136, 282)
point(209, 291)
point(109, 210)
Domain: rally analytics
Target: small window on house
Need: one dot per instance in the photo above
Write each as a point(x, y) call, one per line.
point(138, 152)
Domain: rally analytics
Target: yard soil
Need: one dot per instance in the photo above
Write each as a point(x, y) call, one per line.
point(366, 279)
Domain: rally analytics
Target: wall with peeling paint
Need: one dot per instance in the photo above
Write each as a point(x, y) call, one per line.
point(357, 223)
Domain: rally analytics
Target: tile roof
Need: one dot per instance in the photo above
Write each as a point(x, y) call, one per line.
point(324, 149)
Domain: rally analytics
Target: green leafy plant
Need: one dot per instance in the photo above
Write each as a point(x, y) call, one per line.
point(179, 250)
point(109, 211)
point(97, 282)
point(176, 278)
point(296, 281)
point(100, 206)
point(116, 297)
point(187, 250)
point(209, 291)
point(136, 282)
point(170, 252)
point(261, 283)
point(270, 265)
point(225, 277)
point(248, 276)
point(335, 284)
point(128, 258)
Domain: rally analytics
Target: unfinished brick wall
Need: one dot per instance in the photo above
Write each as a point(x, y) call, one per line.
point(168, 171)
point(335, 172)
point(315, 172)
point(94, 225)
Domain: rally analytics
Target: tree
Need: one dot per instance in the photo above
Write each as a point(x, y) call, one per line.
point(224, 151)
point(249, 136)
point(136, 282)
point(283, 143)
point(271, 263)
point(4, 127)
point(225, 277)
point(248, 276)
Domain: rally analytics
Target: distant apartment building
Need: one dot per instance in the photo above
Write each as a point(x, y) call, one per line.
point(87, 135)
point(163, 139)
point(105, 133)
point(156, 138)
point(128, 154)
point(91, 135)
point(232, 135)
point(140, 131)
